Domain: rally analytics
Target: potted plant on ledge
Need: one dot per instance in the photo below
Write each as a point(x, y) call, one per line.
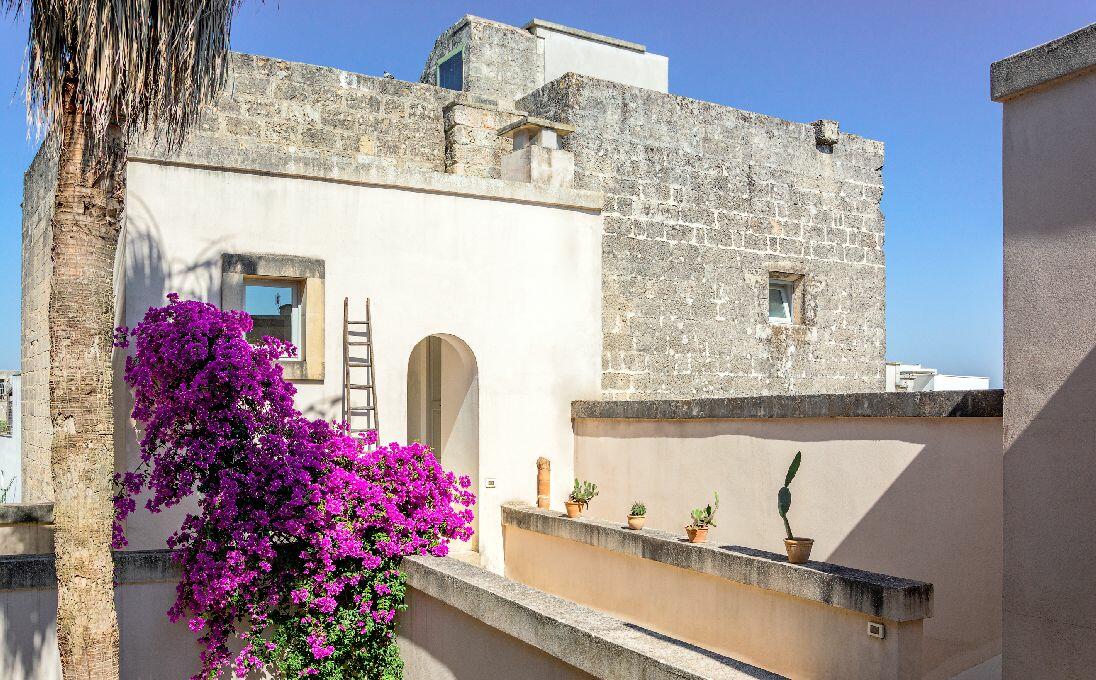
point(703, 518)
point(637, 516)
point(580, 497)
point(799, 549)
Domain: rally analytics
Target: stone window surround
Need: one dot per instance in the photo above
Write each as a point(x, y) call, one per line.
point(237, 267)
point(798, 283)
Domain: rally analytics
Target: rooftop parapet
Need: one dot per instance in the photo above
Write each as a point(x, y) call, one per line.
point(1060, 59)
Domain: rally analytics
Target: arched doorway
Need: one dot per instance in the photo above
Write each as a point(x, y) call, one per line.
point(443, 408)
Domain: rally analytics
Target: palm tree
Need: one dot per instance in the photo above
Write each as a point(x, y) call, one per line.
point(99, 73)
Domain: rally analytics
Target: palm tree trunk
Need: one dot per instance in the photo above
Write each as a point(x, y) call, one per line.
point(86, 221)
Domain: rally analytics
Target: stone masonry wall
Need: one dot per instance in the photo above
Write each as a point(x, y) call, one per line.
point(500, 61)
point(702, 202)
point(287, 110)
point(38, 198)
point(472, 143)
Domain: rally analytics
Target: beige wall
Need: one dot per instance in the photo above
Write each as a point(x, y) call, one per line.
point(518, 283)
point(797, 638)
point(918, 498)
point(1050, 379)
point(439, 642)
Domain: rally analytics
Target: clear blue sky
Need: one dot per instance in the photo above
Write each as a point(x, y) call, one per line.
point(913, 74)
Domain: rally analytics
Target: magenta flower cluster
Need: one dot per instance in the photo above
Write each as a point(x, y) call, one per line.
point(290, 563)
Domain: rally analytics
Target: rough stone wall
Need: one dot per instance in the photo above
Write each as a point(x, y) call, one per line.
point(500, 61)
point(39, 184)
point(472, 144)
point(294, 110)
point(702, 202)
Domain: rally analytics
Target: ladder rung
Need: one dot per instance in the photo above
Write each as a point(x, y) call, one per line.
point(360, 386)
point(361, 429)
point(359, 364)
point(358, 323)
point(363, 409)
point(358, 344)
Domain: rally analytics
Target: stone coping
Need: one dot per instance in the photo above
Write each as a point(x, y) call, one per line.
point(19, 572)
point(957, 404)
point(26, 513)
point(594, 642)
point(533, 123)
point(865, 592)
point(1065, 57)
point(365, 171)
point(534, 24)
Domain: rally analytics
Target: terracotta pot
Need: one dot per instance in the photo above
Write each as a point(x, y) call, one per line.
point(799, 549)
point(636, 521)
point(573, 509)
point(697, 534)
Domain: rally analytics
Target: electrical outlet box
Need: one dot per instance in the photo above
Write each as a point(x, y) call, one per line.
point(877, 630)
point(489, 483)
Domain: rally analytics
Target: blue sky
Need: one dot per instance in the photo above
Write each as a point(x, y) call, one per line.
point(913, 74)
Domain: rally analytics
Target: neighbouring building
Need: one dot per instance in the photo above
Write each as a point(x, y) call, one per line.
point(11, 435)
point(917, 378)
point(1048, 97)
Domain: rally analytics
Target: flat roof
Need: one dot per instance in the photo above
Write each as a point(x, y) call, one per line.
point(585, 35)
point(1061, 58)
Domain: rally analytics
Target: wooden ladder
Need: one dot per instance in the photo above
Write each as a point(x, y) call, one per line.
point(359, 417)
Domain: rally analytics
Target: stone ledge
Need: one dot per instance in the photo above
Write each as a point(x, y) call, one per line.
point(366, 171)
point(26, 513)
point(958, 404)
point(596, 643)
point(21, 572)
point(1065, 57)
point(878, 595)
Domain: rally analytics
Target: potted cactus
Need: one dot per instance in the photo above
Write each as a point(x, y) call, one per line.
point(799, 549)
point(703, 518)
point(637, 516)
point(580, 497)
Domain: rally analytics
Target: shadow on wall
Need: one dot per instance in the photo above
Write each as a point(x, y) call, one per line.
point(28, 625)
point(1049, 479)
point(918, 498)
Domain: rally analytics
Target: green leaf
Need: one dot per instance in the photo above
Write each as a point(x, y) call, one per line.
point(793, 468)
point(784, 500)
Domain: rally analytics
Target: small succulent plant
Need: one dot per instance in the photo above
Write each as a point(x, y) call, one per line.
point(784, 496)
point(638, 509)
point(705, 517)
point(583, 493)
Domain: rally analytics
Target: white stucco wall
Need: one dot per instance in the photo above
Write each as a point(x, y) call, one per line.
point(519, 283)
point(566, 53)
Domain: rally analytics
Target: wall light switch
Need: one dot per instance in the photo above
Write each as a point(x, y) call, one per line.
point(489, 483)
point(877, 630)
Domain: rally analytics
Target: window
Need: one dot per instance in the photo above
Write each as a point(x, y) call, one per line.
point(451, 70)
point(275, 308)
point(781, 301)
point(284, 294)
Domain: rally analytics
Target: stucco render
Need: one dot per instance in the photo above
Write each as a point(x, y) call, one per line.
point(702, 202)
point(1049, 175)
point(485, 269)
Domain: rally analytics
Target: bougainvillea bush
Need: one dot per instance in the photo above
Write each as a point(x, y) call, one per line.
point(290, 564)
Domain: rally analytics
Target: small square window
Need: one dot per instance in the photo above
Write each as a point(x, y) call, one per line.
point(781, 301)
point(275, 309)
point(451, 71)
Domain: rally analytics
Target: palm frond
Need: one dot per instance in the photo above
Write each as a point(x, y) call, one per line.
point(143, 65)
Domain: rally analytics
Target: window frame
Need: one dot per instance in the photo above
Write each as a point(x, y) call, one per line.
point(238, 268)
point(452, 53)
point(787, 291)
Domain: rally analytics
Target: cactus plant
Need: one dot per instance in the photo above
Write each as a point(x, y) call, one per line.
point(638, 509)
point(583, 493)
point(705, 517)
point(784, 496)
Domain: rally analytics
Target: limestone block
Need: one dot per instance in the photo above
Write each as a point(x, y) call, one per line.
point(538, 165)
